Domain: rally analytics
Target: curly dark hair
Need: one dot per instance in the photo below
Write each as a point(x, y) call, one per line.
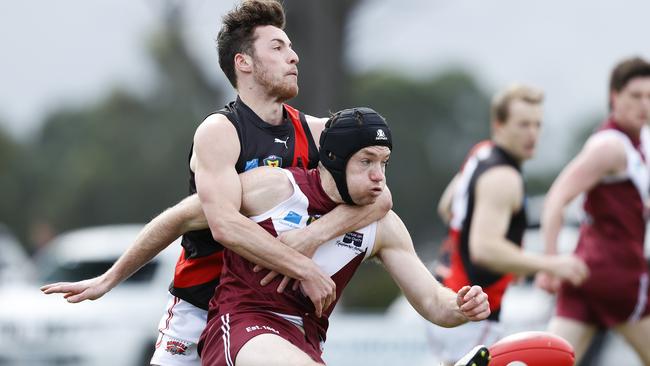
point(237, 32)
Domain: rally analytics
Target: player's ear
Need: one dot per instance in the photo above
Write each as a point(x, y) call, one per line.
point(243, 62)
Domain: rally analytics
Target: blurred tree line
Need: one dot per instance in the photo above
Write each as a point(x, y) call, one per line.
point(124, 159)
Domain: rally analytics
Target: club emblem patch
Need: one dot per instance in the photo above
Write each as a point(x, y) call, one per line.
point(176, 347)
point(273, 161)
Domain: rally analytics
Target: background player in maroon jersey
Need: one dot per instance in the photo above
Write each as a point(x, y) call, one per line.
point(256, 56)
point(485, 209)
point(612, 169)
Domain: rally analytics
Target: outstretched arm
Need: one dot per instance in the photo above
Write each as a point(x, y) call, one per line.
point(152, 239)
point(433, 301)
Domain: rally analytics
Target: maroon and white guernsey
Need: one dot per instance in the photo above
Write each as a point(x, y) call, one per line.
point(240, 290)
point(616, 208)
point(611, 241)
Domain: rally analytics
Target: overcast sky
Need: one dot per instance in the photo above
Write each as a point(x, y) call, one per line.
point(72, 51)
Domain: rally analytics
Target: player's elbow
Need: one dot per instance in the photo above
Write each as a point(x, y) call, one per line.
point(189, 215)
point(219, 228)
point(194, 223)
point(218, 233)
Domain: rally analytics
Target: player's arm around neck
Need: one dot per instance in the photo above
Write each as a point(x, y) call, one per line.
point(343, 219)
point(599, 158)
point(216, 149)
point(499, 193)
point(262, 189)
point(436, 303)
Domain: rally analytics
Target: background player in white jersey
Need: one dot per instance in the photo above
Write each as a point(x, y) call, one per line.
point(613, 171)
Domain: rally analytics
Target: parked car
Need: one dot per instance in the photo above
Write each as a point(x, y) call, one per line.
point(15, 264)
point(118, 329)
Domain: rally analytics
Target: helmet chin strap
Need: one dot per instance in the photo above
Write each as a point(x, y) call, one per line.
point(342, 186)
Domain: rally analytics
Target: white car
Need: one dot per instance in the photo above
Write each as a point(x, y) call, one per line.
point(15, 265)
point(117, 329)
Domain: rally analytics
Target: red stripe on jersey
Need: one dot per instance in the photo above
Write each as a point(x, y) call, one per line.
point(301, 148)
point(474, 150)
point(197, 271)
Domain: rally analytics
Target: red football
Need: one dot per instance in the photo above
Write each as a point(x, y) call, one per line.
point(532, 349)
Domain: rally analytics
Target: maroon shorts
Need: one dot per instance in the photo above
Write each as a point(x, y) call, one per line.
point(226, 334)
point(605, 299)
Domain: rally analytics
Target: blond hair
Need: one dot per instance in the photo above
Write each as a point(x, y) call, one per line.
point(500, 107)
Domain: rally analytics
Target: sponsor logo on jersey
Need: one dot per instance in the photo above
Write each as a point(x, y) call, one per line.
point(280, 141)
point(273, 160)
point(312, 218)
point(251, 164)
point(293, 217)
point(354, 238)
point(261, 327)
point(177, 347)
point(381, 135)
point(352, 241)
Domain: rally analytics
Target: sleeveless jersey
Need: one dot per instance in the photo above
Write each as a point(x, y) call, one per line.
point(289, 144)
point(611, 242)
point(240, 291)
point(483, 157)
point(613, 232)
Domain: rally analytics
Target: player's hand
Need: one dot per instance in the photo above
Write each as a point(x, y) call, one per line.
point(547, 282)
point(297, 239)
point(570, 268)
point(473, 303)
point(320, 289)
point(74, 292)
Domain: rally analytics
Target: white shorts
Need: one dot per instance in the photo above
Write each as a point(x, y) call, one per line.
point(450, 344)
point(179, 330)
